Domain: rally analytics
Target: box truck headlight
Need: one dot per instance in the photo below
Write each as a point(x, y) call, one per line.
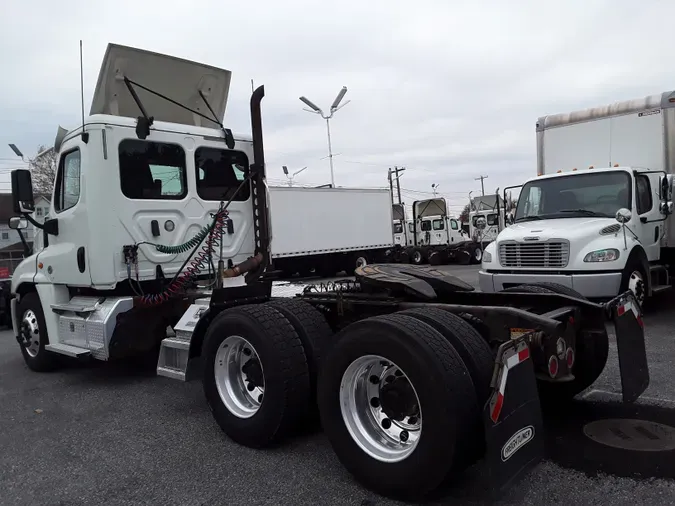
point(487, 257)
point(602, 255)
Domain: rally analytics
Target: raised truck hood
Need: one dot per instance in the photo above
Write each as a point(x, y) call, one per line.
point(175, 78)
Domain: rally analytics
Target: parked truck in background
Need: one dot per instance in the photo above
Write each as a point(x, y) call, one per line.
point(325, 231)
point(597, 217)
point(489, 208)
point(438, 237)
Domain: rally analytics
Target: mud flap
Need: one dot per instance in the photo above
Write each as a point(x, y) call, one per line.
point(512, 416)
point(630, 342)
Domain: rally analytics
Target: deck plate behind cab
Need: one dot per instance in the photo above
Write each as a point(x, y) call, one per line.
point(422, 281)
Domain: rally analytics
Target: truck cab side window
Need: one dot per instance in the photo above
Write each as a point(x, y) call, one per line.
point(219, 174)
point(425, 226)
point(438, 225)
point(643, 194)
point(454, 225)
point(492, 220)
point(67, 192)
point(152, 170)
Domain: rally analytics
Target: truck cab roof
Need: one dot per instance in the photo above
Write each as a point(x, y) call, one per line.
point(571, 172)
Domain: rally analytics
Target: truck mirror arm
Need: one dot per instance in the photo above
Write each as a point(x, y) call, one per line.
point(27, 250)
point(50, 226)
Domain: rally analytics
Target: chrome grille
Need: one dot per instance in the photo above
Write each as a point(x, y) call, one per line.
point(534, 254)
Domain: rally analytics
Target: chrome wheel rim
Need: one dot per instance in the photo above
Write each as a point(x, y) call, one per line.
point(239, 377)
point(636, 284)
point(478, 254)
point(384, 424)
point(361, 261)
point(30, 333)
point(417, 257)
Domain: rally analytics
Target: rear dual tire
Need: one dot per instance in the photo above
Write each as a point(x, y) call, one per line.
point(444, 400)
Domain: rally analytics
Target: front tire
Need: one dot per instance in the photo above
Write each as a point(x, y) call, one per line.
point(398, 405)
point(33, 334)
point(255, 379)
point(634, 278)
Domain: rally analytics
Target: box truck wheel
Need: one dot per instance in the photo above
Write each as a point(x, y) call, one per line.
point(397, 404)
point(33, 334)
point(255, 378)
point(634, 278)
point(592, 350)
point(476, 254)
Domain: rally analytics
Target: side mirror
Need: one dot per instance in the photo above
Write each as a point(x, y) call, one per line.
point(22, 191)
point(623, 215)
point(17, 223)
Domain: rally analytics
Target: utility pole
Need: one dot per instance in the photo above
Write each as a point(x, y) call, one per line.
point(482, 186)
point(398, 183)
point(391, 186)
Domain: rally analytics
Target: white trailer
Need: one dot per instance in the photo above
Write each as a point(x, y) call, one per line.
point(597, 218)
point(329, 230)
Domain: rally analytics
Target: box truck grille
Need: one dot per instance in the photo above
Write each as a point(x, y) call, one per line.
point(534, 254)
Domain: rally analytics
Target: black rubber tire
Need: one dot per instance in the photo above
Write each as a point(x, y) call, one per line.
point(445, 391)
point(473, 250)
point(592, 351)
point(44, 361)
point(477, 324)
point(313, 331)
point(472, 348)
point(634, 265)
point(281, 353)
point(420, 258)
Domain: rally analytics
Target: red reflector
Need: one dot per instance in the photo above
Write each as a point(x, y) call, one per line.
point(553, 367)
point(571, 320)
point(639, 320)
point(621, 310)
point(498, 408)
point(523, 354)
point(570, 357)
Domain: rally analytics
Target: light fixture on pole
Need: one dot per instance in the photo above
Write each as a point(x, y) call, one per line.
point(291, 176)
point(335, 106)
point(17, 151)
point(434, 187)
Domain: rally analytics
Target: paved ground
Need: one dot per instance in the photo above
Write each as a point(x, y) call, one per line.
point(112, 435)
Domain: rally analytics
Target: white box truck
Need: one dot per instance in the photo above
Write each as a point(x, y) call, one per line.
point(596, 218)
point(329, 230)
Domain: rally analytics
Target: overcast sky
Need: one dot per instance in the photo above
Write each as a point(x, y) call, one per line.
point(449, 89)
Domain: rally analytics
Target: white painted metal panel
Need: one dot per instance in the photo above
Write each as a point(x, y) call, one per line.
point(325, 220)
point(577, 146)
point(637, 140)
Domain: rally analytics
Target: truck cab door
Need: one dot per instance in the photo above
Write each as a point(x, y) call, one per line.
point(649, 225)
point(64, 258)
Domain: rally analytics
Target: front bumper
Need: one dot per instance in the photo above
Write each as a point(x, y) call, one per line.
point(593, 285)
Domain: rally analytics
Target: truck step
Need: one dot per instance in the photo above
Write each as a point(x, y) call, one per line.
point(173, 358)
point(661, 288)
point(78, 305)
point(68, 350)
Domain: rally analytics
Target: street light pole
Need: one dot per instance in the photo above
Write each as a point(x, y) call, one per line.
point(290, 177)
point(335, 106)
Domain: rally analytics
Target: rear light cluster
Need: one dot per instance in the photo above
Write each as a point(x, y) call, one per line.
point(563, 353)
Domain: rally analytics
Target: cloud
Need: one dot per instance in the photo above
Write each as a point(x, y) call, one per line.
point(450, 90)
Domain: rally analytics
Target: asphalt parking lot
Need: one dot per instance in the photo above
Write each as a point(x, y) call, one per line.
point(113, 434)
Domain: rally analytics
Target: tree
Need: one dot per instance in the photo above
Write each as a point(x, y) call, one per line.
point(464, 216)
point(43, 171)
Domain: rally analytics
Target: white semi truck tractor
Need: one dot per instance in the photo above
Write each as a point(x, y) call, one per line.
point(157, 242)
point(597, 216)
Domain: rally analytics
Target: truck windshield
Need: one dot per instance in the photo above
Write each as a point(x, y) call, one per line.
point(583, 194)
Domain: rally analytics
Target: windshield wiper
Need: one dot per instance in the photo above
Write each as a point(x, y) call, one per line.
point(585, 212)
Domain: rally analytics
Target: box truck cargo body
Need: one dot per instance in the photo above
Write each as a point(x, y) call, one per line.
point(329, 230)
point(597, 217)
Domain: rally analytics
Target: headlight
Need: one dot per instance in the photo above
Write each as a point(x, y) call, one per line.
point(487, 257)
point(602, 255)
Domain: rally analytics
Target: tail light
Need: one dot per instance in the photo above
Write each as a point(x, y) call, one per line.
point(553, 366)
point(570, 358)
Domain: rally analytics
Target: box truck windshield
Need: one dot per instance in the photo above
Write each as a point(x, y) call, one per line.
point(599, 194)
